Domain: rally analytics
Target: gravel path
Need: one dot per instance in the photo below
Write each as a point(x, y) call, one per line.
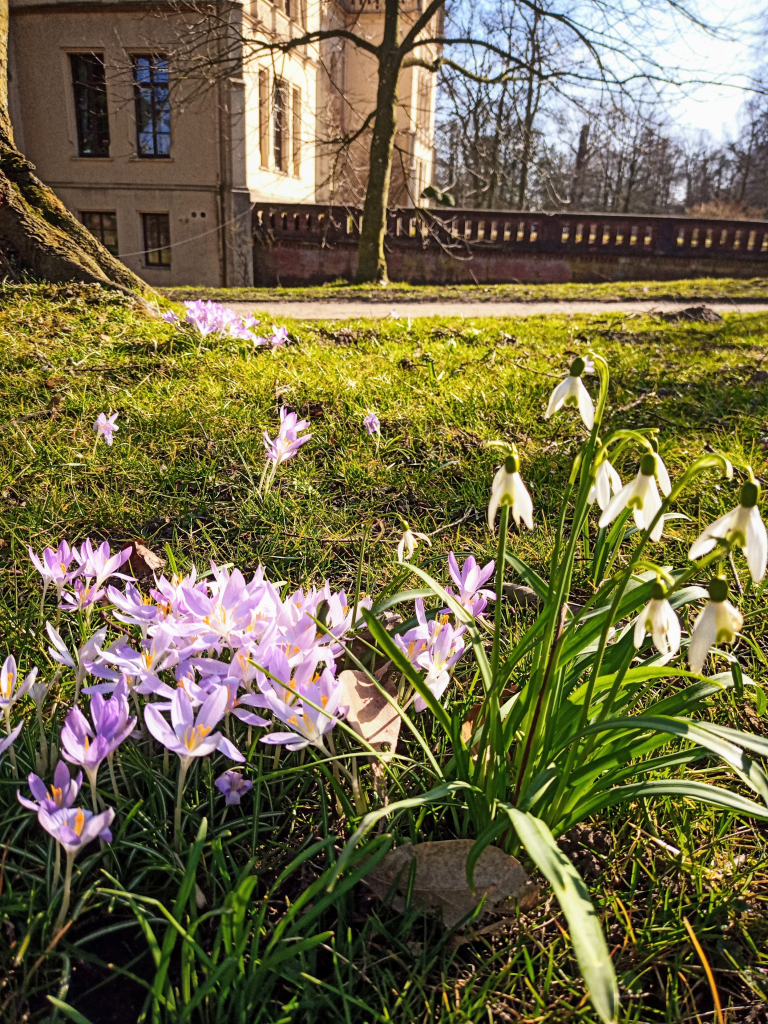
point(377, 310)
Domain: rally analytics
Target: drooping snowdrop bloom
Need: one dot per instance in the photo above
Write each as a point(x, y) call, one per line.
point(742, 528)
point(606, 483)
point(469, 580)
point(105, 426)
point(717, 623)
point(54, 567)
point(372, 424)
point(311, 716)
point(571, 392)
point(409, 543)
point(659, 619)
point(60, 796)
point(287, 442)
point(233, 786)
point(642, 496)
point(509, 489)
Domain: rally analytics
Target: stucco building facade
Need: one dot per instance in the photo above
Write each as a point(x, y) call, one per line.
point(160, 124)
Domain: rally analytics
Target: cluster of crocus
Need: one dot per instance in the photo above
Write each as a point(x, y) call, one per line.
point(94, 567)
point(213, 318)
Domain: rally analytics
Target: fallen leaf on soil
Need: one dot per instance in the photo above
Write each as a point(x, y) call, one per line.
point(143, 562)
point(370, 713)
point(441, 885)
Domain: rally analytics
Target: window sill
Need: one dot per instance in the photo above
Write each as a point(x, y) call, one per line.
point(150, 159)
point(93, 159)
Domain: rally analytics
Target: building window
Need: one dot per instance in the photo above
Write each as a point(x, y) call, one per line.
point(90, 90)
point(281, 124)
point(102, 226)
point(264, 117)
point(157, 239)
point(296, 132)
point(153, 107)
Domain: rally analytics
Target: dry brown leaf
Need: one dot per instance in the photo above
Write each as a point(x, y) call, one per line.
point(440, 885)
point(370, 713)
point(143, 562)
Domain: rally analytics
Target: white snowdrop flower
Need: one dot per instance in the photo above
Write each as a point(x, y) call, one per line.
point(718, 623)
point(743, 528)
point(571, 391)
point(606, 483)
point(509, 489)
point(642, 496)
point(409, 542)
point(659, 619)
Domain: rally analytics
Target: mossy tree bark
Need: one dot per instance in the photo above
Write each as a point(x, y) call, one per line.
point(48, 241)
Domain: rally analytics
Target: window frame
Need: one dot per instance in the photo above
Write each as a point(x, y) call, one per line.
point(87, 117)
point(155, 110)
point(100, 236)
point(281, 123)
point(159, 249)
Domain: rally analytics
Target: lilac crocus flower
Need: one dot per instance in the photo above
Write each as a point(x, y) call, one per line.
point(9, 739)
point(81, 597)
point(434, 646)
point(100, 562)
point(233, 786)
point(170, 317)
point(372, 423)
point(11, 688)
point(82, 745)
point(287, 442)
point(105, 426)
point(190, 737)
point(54, 567)
point(75, 827)
point(60, 796)
point(279, 336)
point(310, 717)
point(469, 581)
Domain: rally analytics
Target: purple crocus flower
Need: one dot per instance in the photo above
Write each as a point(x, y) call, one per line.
point(233, 786)
point(279, 336)
point(287, 442)
point(82, 745)
point(311, 714)
point(469, 580)
point(105, 426)
point(9, 739)
point(100, 562)
point(60, 796)
point(75, 827)
point(372, 424)
point(54, 567)
point(83, 597)
point(189, 737)
point(170, 317)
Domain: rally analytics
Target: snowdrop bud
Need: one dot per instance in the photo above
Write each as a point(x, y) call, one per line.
point(718, 623)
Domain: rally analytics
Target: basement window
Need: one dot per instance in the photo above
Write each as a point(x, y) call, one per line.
point(157, 239)
point(102, 225)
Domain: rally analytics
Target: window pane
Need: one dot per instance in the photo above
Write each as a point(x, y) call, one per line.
point(102, 225)
point(153, 108)
point(157, 239)
point(90, 91)
point(280, 115)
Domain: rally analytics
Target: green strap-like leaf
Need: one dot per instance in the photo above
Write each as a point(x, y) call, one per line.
point(586, 932)
point(68, 1010)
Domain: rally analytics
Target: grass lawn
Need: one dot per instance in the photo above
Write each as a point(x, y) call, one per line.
point(181, 476)
point(710, 289)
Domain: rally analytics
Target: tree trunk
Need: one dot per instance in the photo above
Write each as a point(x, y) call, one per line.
point(372, 263)
point(35, 226)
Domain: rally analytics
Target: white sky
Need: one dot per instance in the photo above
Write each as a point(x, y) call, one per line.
point(714, 108)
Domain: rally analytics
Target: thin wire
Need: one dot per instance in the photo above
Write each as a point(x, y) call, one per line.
point(184, 241)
